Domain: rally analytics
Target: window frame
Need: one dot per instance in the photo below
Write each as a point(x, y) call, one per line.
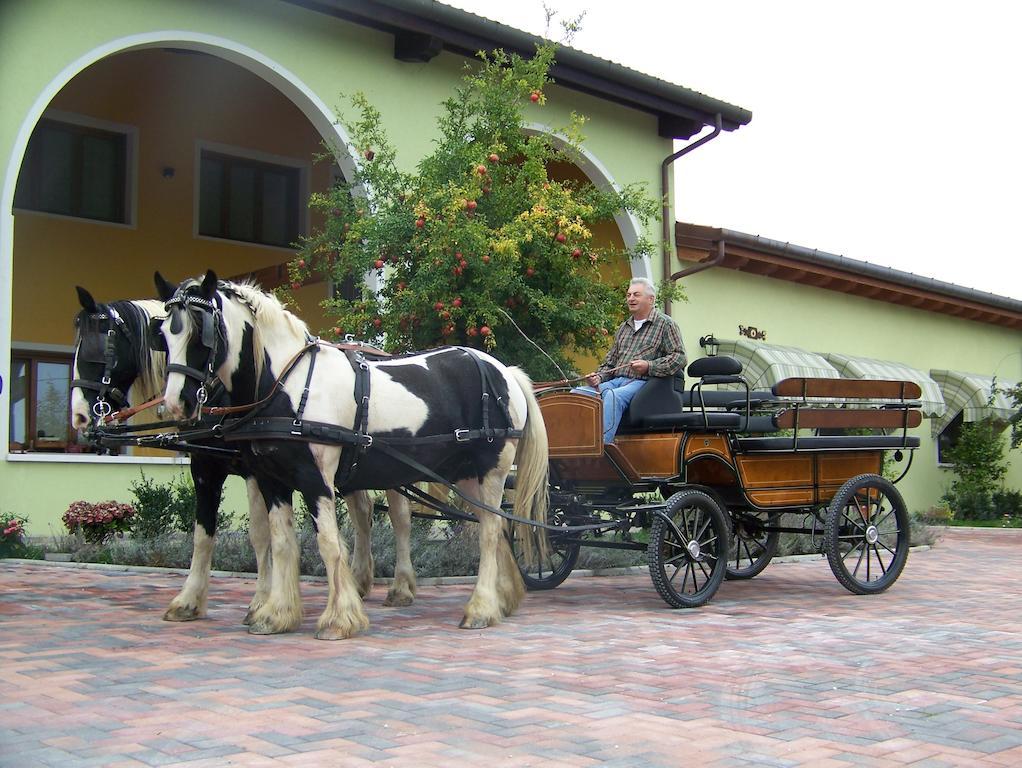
point(85, 124)
point(33, 357)
point(257, 159)
point(955, 428)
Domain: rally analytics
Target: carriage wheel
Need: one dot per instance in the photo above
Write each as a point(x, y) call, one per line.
point(555, 566)
point(866, 535)
point(752, 548)
point(688, 549)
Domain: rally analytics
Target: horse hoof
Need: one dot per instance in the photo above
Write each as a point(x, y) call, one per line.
point(263, 628)
point(398, 600)
point(331, 633)
point(341, 631)
point(476, 623)
point(182, 613)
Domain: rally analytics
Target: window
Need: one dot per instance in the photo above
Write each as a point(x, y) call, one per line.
point(40, 402)
point(248, 200)
point(75, 170)
point(948, 438)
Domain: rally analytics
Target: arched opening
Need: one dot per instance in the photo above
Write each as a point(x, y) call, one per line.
point(175, 155)
point(623, 232)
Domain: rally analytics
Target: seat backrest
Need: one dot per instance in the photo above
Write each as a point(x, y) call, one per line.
point(661, 394)
point(719, 365)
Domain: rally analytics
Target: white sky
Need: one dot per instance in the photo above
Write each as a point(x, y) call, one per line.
point(884, 131)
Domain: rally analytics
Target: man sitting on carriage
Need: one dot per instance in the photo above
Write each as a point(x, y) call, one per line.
point(648, 344)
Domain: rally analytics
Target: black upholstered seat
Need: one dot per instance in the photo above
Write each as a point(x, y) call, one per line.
point(660, 396)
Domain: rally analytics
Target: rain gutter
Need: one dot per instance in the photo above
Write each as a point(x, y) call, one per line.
point(665, 181)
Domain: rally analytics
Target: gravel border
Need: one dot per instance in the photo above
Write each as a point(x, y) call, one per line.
point(427, 581)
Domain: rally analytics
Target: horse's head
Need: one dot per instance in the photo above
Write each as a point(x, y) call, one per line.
point(195, 337)
point(106, 359)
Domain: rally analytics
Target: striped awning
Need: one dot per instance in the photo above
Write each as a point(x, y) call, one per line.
point(868, 368)
point(969, 395)
point(766, 364)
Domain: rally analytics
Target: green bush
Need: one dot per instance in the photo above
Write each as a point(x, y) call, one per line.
point(170, 506)
point(980, 466)
point(1008, 501)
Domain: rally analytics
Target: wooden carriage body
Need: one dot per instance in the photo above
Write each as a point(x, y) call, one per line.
point(757, 471)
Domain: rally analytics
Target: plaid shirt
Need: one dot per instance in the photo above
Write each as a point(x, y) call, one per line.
point(658, 341)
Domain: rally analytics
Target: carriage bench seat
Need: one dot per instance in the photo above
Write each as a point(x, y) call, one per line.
point(836, 442)
point(714, 420)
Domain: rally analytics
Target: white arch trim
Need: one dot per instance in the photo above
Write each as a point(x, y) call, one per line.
point(285, 81)
point(598, 174)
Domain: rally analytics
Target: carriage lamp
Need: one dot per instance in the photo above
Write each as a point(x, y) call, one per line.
point(709, 344)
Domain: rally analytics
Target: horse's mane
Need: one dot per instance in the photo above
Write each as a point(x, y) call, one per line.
point(152, 366)
point(271, 317)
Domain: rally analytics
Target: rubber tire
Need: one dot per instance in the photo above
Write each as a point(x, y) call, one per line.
point(769, 550)
point(662, 538)
point(564, 559)
point(832, 535)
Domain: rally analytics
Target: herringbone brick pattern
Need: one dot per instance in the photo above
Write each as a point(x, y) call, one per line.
point(788, 669)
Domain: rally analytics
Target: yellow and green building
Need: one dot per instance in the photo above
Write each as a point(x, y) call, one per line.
point(182, 134)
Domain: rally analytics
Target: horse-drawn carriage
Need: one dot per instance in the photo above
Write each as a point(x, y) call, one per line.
point(709, 472)
point(706, 472)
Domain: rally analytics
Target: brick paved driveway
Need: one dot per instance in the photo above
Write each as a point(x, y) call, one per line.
point(787, 669)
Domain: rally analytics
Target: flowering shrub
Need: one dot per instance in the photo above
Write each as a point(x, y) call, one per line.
point(481, 245)
point(97, 522)
point(12, 535)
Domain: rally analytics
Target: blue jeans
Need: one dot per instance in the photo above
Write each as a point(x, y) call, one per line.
point(616, 394)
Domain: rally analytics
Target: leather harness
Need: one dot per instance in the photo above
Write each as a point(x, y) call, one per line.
point(105, 391)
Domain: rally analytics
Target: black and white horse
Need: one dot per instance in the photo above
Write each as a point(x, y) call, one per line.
point(324, 419)
point(114, 366)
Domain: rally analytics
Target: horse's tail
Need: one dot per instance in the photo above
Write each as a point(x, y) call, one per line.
point(532, 481)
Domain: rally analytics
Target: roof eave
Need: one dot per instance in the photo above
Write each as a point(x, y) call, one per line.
point(860, 277)
point(681, 112)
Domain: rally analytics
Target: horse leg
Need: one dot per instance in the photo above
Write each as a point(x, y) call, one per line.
point(499, 588)
point(510, 584)
point(344, 615)
point(190, 602)
point(282, 610)
point(402, 591)
point(259, 535)
point(360, 510)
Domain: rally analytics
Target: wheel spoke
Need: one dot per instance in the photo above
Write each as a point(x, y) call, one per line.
point(880, 520)
point(702, 530)
point(702, 567)
point(673, 560)
point(855, 524)
point(880, 560)
point(862, 551)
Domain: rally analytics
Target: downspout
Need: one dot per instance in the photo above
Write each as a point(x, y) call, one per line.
point(666, 216)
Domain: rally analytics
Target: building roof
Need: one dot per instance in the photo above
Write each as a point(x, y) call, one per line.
point(808, 266)
point(422, 28)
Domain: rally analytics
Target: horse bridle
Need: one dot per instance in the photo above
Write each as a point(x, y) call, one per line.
point(106, 393)
point(210, 385)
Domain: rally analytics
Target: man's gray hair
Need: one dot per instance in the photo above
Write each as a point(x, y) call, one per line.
point(646, 283)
